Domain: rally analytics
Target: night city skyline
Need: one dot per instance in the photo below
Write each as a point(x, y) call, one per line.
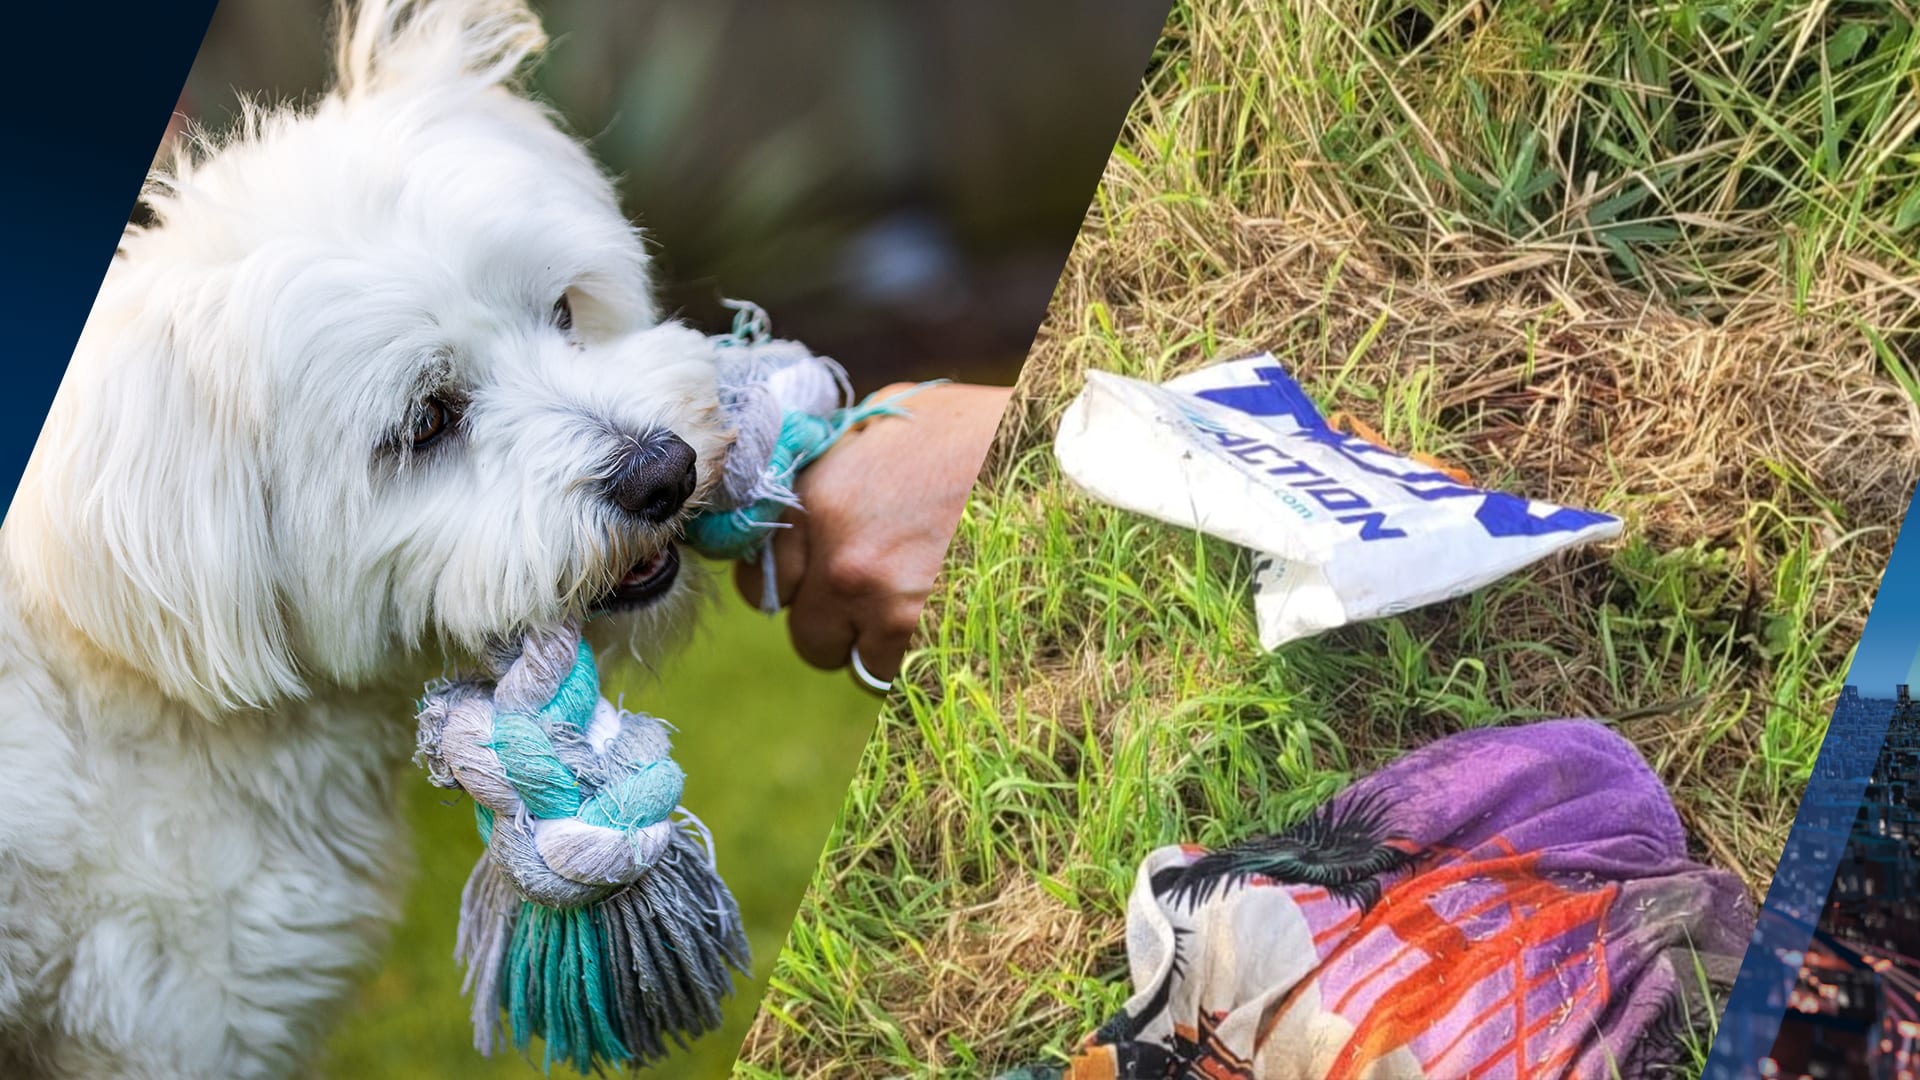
point(1855, 1008)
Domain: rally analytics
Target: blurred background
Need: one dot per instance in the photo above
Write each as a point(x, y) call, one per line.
point(897, 183)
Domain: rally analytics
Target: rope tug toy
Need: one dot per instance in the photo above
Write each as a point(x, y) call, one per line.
point(597, 919)
point(788, 407)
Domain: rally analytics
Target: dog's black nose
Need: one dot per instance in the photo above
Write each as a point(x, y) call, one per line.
point(653, 477)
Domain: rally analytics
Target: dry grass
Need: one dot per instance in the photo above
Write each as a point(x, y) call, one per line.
point(1730, 368)
point(1704, 435)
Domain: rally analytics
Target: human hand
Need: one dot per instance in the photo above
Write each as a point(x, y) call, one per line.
point(855, 566)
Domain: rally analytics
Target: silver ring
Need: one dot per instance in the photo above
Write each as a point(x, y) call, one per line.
point(879, 686)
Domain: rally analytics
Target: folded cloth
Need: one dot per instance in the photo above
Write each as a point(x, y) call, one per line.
point(1507, 902)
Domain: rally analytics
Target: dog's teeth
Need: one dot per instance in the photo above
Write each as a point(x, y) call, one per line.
point(643, 571)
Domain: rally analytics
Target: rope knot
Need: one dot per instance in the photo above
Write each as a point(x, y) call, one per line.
point(596, 919)
point(786, 407)
point(573, 795)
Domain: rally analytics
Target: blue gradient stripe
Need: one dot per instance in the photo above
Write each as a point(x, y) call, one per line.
point(88, 90)
point(1819, 836)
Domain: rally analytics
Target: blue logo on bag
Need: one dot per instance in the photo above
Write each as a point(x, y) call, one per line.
point(1277, 394)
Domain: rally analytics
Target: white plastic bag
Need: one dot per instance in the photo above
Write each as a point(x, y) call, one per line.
point(1342, 530)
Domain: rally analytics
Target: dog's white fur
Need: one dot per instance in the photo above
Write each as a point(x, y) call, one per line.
point(226, 573)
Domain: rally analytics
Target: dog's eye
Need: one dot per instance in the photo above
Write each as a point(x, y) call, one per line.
point(563, 313)
point(430, 422)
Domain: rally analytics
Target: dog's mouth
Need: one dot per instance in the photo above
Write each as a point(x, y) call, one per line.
point(646, 582)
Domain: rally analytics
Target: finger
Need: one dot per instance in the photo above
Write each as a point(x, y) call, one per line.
point(818, 624)
point(882, 653)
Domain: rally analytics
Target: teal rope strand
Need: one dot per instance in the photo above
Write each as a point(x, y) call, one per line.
point(743, 533)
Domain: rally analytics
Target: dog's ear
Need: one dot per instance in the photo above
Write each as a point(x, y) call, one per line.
point(388, 44)
point(142, 520)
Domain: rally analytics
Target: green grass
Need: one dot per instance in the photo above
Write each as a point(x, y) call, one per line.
point(766, 743)
point(1687, 146)
point(1091, 688)
point(1653, 260)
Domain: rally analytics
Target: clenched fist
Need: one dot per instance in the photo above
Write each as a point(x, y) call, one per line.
point(855, 566)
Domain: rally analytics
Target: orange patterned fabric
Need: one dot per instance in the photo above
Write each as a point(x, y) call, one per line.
point(1506, 903)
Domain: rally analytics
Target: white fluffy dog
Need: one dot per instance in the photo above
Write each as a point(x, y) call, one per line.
point(383, 379)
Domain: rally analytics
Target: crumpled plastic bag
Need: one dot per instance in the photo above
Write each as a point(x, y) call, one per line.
point(1342, 529)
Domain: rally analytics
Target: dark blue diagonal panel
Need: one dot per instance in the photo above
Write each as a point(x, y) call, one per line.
point(86, 90)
